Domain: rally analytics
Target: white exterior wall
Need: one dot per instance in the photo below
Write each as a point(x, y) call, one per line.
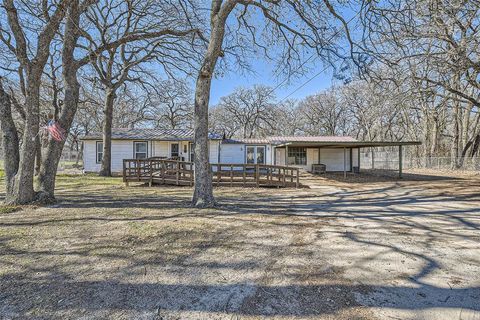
point(334, 158)
point(163, 149)
point(229, 153)
point(160, 149)
point(331, 157)
point(214, 149)
point(235, 153)
point(280, 157)
point(123, 149)
point(355, 157)
point(232, 153)
point(90, 156)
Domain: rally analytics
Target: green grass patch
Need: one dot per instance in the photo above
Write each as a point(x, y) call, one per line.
point(9, 209)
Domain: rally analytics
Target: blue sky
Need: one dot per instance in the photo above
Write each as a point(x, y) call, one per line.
point(226, 84)
point(232, 79)
point(263, 70)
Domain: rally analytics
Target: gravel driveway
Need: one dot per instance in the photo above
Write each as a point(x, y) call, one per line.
point(363, 250)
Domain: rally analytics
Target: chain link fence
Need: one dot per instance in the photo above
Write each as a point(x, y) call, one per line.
point(389, 161)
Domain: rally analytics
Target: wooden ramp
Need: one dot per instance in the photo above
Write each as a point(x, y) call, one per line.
point(174, 172)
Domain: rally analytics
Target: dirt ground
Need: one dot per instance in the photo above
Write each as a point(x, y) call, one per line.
point(368, 247)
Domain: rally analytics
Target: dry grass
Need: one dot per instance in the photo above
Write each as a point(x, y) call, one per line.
point(339, 250)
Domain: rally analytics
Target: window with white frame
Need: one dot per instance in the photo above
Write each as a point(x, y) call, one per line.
point(297, 156)
point(140, 149)
point(99, 147)
point(255, 154)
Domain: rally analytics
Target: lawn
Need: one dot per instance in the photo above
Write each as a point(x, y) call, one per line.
point(365, 249)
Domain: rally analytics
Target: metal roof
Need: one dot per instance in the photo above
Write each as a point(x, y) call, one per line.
point(150, 134)
point(351, 144)
point(279, 141)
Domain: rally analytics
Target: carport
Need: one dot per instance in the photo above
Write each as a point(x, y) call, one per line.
point(349, 145)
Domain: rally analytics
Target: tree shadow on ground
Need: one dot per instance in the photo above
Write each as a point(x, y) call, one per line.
point(375, 176)
point(164, 272)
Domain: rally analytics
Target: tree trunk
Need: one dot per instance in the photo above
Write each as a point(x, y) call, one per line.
point(53, 153)
point(54, 148)
point(10, 143)
point(106, 169)
point(23, 191)
point(203, 193)
point(457, 161)
point(38, 155)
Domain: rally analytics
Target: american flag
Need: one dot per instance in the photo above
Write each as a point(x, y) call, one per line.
point(56, 131)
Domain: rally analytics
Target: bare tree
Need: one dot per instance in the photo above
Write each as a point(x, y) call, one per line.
point(250, 109)
point(324, 114)
point(171, 105)
point(161, 36)
point(31, 53)
point(85, 52)
point(292, 27)
point(433, 49)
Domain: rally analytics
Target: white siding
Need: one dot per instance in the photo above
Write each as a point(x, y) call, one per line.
point(163, 149)
point(333, 158)
point(160, 149)
point(232, 153)
point(268, 154)
point(312, 158)
point(90, 156)
point(229, 153)
point(355, 157)
point(121, 149)
point(214, 149)
point(280, 157)
point(235, 153)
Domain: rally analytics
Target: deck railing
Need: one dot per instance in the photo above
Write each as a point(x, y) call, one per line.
point(162, 171)
point(166, 171)
point(255, 175)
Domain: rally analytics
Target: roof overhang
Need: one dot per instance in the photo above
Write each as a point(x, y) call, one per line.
point(349, 144)
point(144, 139)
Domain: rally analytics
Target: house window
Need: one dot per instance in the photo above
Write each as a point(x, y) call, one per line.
point(174, 150)
point(255, 155)
point(297, 156)
point(140, 149)
point(99, 147)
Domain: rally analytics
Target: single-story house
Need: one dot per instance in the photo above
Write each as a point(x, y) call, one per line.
point(337, 153)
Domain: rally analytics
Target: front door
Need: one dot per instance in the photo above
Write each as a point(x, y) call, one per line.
point(174, 150)
point(280, 156)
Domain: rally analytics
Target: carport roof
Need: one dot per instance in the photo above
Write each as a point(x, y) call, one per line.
point(275, 140)
point(350, 144)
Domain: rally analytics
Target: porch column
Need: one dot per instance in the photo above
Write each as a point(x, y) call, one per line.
point(358, 160)
point(345, 162)
point(400, 159)
point(286, 155)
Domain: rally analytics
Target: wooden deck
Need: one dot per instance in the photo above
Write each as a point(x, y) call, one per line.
point(174, 172)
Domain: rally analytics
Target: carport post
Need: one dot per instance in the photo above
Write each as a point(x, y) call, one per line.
point(358, 160)
point(345, 162)
point(400, 159)
point(286, 155)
